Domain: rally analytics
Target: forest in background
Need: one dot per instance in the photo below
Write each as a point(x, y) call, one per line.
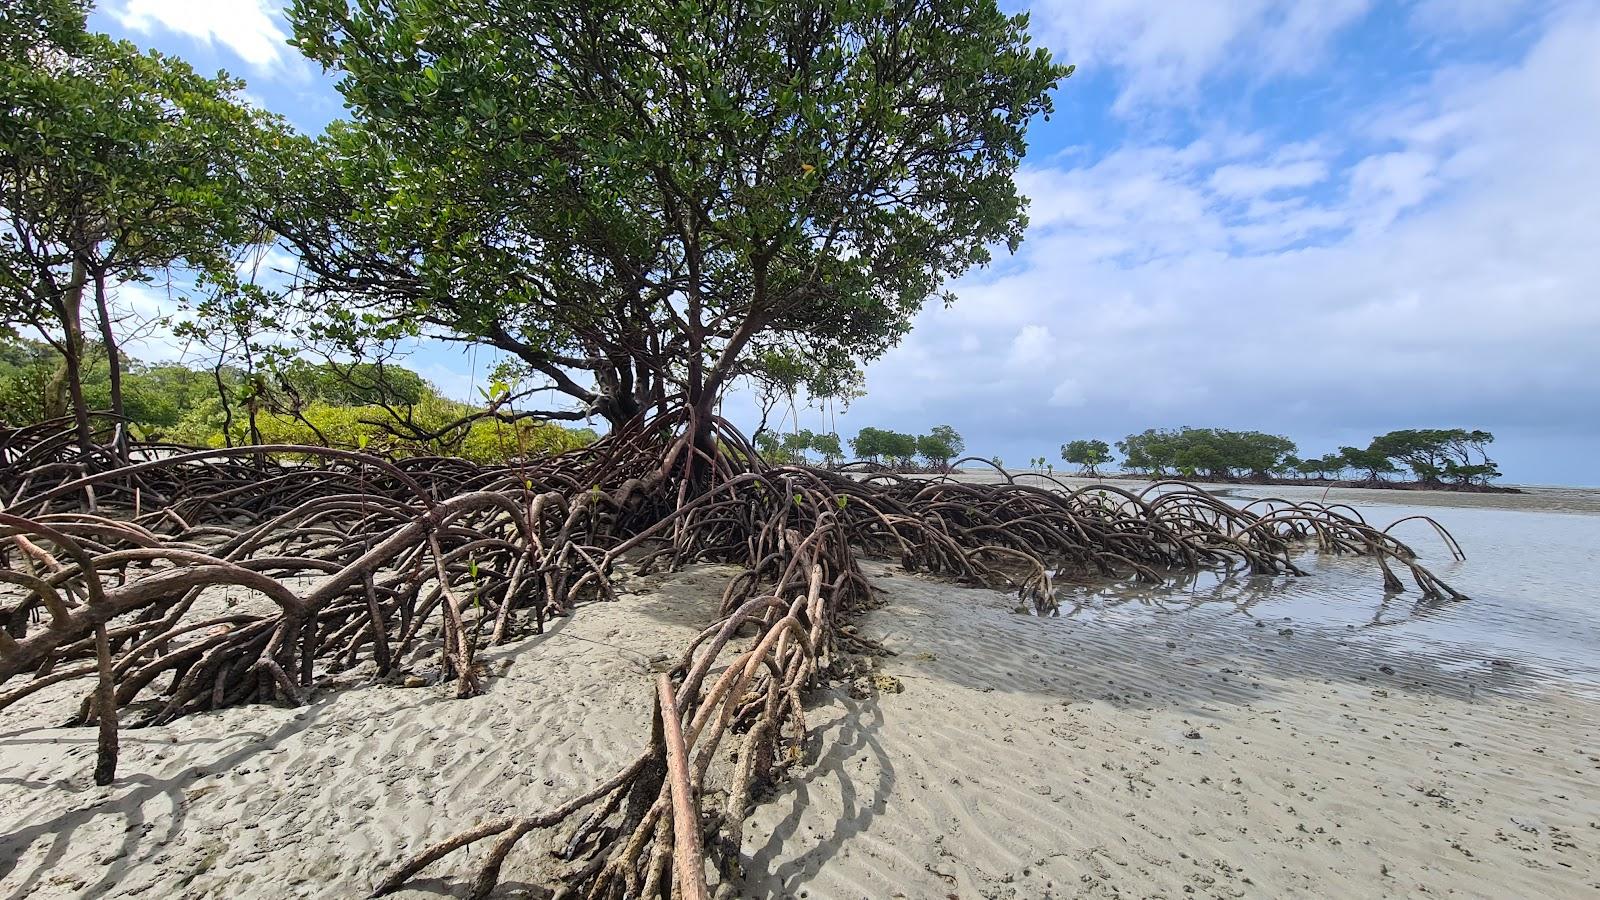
point(383, 408)
point(389, 408)
point(1437, 458)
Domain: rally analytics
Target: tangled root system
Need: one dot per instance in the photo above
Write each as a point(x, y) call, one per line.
point(358, 559)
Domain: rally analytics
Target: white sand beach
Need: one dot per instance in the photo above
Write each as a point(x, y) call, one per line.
point(1199, 753)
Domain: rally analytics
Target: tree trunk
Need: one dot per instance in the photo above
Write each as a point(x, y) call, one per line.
point(70, 313)
point(702, 439)
point(55, 391)
point(114, 361)
point(222, 398)
point(253, 410)
point(57, 395)
point(617, 411)
point(73, 359)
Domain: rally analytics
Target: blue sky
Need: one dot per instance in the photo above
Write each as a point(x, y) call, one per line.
point(1322, 219)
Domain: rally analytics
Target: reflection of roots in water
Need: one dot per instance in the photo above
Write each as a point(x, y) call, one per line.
point(1234, 588)
point(1178, 591)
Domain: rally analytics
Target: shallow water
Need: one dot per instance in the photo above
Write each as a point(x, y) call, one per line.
point(1531, 578)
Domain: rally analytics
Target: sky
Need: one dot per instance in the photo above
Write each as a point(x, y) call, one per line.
point(1320, 219)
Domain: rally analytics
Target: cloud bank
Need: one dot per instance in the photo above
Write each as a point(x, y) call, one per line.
point(252, 29)
point(1326, 220)
point(1425, 258)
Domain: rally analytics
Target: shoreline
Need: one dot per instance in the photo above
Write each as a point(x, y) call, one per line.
point(1531, 498)
point(1021, 757)
point(1192, 754)
point(1378, 485)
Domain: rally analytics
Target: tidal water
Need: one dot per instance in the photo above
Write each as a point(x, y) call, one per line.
point(1532, 576)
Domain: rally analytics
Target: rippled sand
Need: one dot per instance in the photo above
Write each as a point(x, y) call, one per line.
point(265, 802)
point(1126, 751)
point(1194, 753)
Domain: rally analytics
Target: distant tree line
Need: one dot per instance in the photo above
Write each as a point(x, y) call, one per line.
point(941, 444)
point(937, 448)
point(794, 446)
point(1205, 452)
point(1089, 455)
point(1435, 457)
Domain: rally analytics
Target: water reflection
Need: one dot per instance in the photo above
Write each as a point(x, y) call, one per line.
point(1530, 576)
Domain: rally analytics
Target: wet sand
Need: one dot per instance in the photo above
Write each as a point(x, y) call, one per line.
point(1195, 754)
point(1153, 754)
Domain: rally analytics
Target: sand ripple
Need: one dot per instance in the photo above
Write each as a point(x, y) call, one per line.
point(1192, 754)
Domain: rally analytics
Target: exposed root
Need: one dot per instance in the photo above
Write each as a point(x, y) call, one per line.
point(359, 560)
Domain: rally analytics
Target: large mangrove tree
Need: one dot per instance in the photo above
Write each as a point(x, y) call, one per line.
point(640, 202)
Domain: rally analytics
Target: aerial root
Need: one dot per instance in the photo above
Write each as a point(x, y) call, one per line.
point(351, 560)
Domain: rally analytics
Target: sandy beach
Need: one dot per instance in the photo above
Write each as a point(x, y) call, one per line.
point(1197, 755)
point(261, 801)
point(1202, 753)
point(555, 451)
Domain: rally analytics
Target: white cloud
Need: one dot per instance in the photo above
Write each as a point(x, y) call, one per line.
point(1166, 50)
point(1389, 183)
point(1434, 264)
point(140, 310)
point(1463, 16)
point(250, 28)
point(1068, 392)
point(1033, 346)
point(1253, 181)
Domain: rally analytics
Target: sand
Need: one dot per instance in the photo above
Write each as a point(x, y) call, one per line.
point(320, 801)
point(1026, 757)
point(1155, 755)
